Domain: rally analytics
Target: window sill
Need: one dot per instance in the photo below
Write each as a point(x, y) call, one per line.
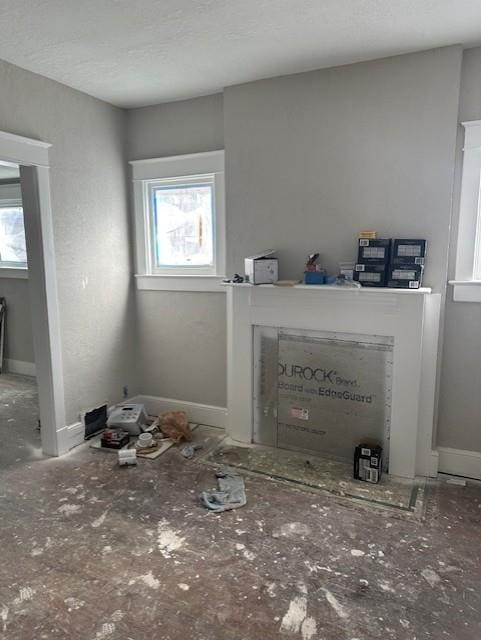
point(179, 283)
point(11, 272)
point(466, 290)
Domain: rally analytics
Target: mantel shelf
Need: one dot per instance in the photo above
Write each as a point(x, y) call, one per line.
point(330, 288)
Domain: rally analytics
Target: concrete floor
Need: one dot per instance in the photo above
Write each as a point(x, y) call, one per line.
point(91, 551)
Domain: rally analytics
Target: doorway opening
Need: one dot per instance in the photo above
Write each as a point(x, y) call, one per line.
point(28, 276)
point(20, 423)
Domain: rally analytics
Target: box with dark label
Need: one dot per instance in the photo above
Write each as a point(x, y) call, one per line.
point(368, 463)
point(408, 251)
point(373, 251)
point(370, 275)
point(114, 438)
point(405, 276)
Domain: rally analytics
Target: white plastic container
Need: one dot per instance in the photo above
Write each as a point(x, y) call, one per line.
point(127, 457)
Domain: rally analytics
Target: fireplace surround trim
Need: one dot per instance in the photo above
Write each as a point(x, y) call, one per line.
point(410, 317)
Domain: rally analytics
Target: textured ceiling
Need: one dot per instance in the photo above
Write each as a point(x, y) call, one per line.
point(139, 52)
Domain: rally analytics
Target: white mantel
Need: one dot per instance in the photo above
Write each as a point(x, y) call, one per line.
point(410, 317)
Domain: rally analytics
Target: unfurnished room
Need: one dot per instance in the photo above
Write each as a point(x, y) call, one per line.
point(240, 320)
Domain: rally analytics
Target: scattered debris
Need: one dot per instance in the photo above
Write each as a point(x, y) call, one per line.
point(293, 530)
point(189, 450)
point(74, 603)
point(460, 482)
point(4, 616)
point(431, 577)
point(148, 579)
point(296, 614)
point(69, 508)
point(231, 494)
point(100, 520)
point(174, 425)
point(336, 605)
point(168, 540)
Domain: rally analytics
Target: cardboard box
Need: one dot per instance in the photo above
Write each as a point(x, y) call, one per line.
point(405, 276)
point(368, 233)
point(368, 463)
point(370, 275)
point(262, 268)
point(408, 251)
point(373, 251)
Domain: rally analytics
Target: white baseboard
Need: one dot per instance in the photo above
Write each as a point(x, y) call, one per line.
point(21, 367)
point(200, 413)
point(458, 462)
point(74, 434)
point(70, 436)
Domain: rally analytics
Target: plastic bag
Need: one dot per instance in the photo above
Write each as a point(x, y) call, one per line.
point(174, 425)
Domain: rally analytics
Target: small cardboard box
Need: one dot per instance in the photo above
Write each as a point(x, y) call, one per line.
point(262, 268)
point(368, 463)
point(405, 276)
point(373, 251)
point(408, 251)
point(370, 275)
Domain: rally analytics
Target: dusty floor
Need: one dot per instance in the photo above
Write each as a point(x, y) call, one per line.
point(313, 471)
point(94, 552)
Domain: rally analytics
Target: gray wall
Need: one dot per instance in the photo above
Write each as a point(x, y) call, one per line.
point(91, 229)
point(18, 335)
point(175, 128)
point(181, 336)
point(459, 421)
point(310, 159)
point(313, 158)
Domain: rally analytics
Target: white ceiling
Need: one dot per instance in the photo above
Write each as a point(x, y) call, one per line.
point(139, 52)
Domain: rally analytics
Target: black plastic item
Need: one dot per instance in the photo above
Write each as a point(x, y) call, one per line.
point(405, 276)
point(370, 275)
point(368, 463)
point(236, 279)
point(95, 421)
point(374, 251)
point(408, 251)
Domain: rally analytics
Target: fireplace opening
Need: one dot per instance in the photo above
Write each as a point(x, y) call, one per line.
point(321, 392)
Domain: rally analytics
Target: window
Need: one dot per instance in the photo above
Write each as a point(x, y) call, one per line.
point(183, 218)
point(467, 282)
point(13, 251)
point(179, 220)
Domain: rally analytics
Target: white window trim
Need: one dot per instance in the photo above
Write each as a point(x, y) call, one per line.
point(187, 279)
point(467, 280)
point(14, 272)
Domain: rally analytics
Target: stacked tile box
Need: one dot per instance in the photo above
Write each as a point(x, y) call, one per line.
point(407, 264)
point(372, 261)
point(398, 263)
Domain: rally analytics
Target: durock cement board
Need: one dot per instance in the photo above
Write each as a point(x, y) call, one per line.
point(321, 392)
